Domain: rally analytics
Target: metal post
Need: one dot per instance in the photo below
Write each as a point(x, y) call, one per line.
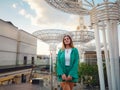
point(18, 45)
point(54, 81)
point(52, 60)
point(116, 53)
point(109, 34)
point(51, 70)
point(99, 58)
point(106, 58)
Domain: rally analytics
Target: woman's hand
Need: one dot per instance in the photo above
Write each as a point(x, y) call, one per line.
point(69, 78)
point(64, 77)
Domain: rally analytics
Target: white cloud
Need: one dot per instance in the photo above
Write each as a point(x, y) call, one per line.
point(49, 17)
point(22, 12)
point(14, 5)
point(25, 14)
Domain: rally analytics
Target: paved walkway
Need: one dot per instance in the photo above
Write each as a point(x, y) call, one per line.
point(24, 86)
point(28, 86)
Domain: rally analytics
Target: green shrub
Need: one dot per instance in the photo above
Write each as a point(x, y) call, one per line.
point(88, 74)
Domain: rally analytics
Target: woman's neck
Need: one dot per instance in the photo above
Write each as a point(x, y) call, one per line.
point(67, 46)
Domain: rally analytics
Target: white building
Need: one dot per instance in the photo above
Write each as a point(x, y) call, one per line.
point(8, 43)
point(42, 60)
point(27, 48)
point(16, 46)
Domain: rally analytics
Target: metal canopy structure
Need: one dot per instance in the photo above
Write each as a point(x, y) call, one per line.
point(79, 7)
point(70, 6)
point(104, 14)
point(51, 35)
point(106, 17)
point(82, 36)
point(91, 46)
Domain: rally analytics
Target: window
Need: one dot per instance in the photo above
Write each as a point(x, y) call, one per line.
point(32, 61)
point(25, 60)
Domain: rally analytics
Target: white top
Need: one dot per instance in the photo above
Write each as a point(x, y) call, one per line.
point(67, 56)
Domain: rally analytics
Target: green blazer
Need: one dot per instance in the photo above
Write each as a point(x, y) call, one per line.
point(71, 70)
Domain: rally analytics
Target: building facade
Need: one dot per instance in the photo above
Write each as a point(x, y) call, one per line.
point(27, 48)
point(90, 57)
point(17, 47)
point(17, 54)
point(8, 43)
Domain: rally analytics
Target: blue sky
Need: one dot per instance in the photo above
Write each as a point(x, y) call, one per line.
point(33, 15)
point(10, 11)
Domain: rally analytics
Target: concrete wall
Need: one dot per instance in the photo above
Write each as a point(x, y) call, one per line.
point(8, 43)
point(27, 47)
point(15, 45)
point(8, 30)
point(27, 38)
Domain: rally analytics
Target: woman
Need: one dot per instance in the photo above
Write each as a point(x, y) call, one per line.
point(67, 63)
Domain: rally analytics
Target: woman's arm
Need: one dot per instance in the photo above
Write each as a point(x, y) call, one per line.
point(59, 66)
point(74, 70)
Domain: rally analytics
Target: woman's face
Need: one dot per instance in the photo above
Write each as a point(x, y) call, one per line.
point(66, 40)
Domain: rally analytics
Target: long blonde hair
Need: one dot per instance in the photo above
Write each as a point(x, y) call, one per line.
point(71, 42)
